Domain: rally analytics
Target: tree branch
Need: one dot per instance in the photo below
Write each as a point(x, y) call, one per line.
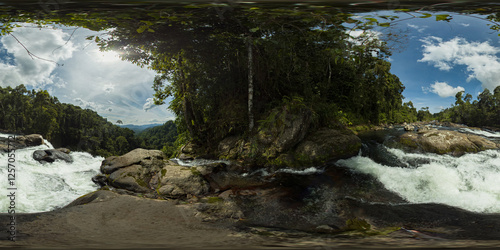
point(33, 56)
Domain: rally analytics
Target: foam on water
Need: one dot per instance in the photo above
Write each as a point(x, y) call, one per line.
point(480, 132)
point(197, 162)
point(470, 182)
point(44, 187)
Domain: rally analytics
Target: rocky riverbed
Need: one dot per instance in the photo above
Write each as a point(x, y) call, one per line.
point(147, 200)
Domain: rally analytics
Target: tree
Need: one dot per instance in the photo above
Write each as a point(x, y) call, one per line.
point(223, 74)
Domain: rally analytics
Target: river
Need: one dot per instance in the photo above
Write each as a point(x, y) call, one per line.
point(469, 182)
point(48, 186)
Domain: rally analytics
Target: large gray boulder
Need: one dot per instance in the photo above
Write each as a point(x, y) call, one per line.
point(51, 155)
point(445, 142)
point(175, 181)
point(134, 170)
point(327, 145)
point(138, 156)
point(148, 171)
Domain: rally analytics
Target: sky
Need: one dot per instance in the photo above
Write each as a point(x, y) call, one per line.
point(439, 58)
point(434, 60)
point(83, 75)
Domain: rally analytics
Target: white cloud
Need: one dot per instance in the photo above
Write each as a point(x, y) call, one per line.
point(480, 58)
point(443, 89)
point(149, 104)
point(418, 28)
point(87, 105)
point(108, 88)
point(90, 78)
point(19, 67)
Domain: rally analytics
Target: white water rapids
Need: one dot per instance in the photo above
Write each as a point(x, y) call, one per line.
point(45, 187)
point(470, 182)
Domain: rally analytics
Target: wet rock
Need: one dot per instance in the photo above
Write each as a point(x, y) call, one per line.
point(32, 140)
point(51, 155)
point(21, 142)
point(445, 141)
point(64, 150)
point(100, 180)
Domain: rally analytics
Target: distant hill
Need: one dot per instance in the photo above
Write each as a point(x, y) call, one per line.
point(139, 128)
point(160, 137)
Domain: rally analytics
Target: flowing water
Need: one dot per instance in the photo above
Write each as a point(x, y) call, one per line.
point(469, 181)
point(48, 186)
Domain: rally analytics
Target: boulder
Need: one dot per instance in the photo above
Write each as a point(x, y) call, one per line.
point(21, 142)
point(133, 178)
point(134, 170)
point(188, 151)
point(445, 141)
point(174, 181)
point(230, 147)
point(327, 145)
point(32, 140)
point(100, 180)
point(64, 150)
point(409, 127)
point(288, 127)
point(138, 156)
point(424, 128)
point(51, 155)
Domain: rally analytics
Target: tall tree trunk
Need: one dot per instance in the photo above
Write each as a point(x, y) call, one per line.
point(188, 109)
point(250, 85)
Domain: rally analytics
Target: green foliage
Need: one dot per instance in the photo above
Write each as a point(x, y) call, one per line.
point(424, 114)
point(65, 125)
point(483, 112)
point(300, 59)
point(160, 137)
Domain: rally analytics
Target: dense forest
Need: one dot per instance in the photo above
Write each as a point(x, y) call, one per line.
point(227, 75)
point(485, 111)
point(66, 125)
point(160, 137)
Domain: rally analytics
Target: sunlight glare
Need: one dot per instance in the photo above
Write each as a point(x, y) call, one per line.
point(108, 57)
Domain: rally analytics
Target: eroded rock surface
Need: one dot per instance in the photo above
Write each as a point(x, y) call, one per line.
point(446, 141)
